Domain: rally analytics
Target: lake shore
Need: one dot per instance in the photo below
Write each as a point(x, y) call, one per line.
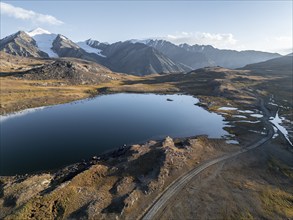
point(81, 129)
point(256, 184)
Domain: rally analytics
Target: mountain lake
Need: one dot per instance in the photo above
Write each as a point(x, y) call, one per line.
point(52, 137)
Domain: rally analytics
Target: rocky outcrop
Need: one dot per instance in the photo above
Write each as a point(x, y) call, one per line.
point(74, 71)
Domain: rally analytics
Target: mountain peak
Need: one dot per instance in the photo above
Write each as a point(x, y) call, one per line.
point(142, 41)
point(37, 31)
point(91, 42)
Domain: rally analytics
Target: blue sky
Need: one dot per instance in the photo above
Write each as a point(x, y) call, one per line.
point(259, 25)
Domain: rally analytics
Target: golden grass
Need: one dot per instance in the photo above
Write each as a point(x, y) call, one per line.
point(275, 200)
point(145, 88)
point(276, 165)
point(19, 94)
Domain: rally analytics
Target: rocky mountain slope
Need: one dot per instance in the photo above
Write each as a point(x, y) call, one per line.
point(198, 56)
point(122, 57)
point(194, 60)
point(21, 44)
point(64, 47)
point(135, 59)
point(139, 59)
point(131, 57)
point(231, 58)
point(273, 66)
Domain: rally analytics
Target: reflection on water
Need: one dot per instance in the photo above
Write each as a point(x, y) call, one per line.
point(53, 137)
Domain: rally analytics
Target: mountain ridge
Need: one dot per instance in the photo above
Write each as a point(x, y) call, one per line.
point(21, 44)
point(198, 56)
point(135, 57)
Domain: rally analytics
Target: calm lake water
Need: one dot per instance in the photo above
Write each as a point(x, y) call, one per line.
point(52, 137)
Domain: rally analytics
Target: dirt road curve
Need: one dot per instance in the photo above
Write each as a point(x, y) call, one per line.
point(181, 182)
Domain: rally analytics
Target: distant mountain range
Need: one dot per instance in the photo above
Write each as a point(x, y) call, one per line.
point(132, 57)
point(277, 66)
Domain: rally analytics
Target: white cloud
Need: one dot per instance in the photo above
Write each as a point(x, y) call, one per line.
point(280, 44)
point(23, 14)
point(277, 44)
point(218, 40)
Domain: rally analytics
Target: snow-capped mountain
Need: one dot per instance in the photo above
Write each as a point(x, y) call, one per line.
point(44, 40)
point(88, 47)
point(37, 31)
point(137, 57)
point(125, 57)
point(64, 47)
point(97, 44)
point(144, 41)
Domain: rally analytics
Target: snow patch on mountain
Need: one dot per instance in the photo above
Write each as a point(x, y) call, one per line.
point(45, 43)
point(144, 41)
point(37, 31)
point(63, 37)
point(90, 49)
point(44, 40)
point(91, 42)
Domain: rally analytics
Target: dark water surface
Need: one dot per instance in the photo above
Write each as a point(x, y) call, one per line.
point(59, 135)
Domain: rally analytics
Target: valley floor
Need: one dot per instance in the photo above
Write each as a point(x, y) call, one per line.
point(254, 185)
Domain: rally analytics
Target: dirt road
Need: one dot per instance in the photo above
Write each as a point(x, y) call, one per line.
point(176, 186)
